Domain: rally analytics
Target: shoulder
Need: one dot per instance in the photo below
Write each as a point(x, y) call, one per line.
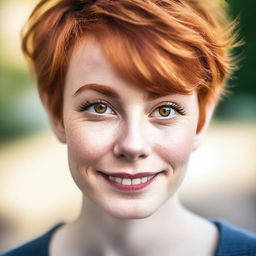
point(234, 241)
point(38, 246)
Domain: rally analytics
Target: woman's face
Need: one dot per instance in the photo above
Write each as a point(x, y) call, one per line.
point(114, 131)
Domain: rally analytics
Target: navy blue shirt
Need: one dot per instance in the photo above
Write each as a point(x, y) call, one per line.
point(36, 247)
point(232, 242)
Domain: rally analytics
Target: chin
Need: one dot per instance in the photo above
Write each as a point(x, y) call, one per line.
point(130, 215)
point(130, 211)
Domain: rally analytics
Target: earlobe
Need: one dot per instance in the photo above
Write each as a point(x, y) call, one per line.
point(59, 130)
point(56, 125)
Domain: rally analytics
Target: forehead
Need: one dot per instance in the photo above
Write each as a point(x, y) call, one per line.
point(89, 64)
point(86, 56)
point(90, 51)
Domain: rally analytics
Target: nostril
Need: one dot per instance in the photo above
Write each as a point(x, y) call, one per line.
point(129, 151)
point(132, 156)
point(142, 156)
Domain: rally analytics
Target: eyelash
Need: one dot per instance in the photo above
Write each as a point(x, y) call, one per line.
point(88, 104)
point(174, 105)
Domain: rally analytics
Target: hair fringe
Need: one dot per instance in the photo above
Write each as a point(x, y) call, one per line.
point(163, 46)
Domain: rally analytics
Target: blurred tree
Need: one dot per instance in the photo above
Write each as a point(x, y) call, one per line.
point(20, 113)
point(246, 77)
point(240, 104)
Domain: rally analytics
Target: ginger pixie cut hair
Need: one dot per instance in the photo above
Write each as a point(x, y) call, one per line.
point(162, 46)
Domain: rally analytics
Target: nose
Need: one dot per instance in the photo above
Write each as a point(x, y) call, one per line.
point(132, 144)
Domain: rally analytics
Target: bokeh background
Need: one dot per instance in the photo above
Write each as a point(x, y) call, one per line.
point(36, 190)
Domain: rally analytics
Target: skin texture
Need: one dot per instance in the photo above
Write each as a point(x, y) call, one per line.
point(130, 136)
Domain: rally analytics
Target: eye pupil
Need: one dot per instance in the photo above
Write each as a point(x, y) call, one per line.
point(164, 111)
point(100, 108)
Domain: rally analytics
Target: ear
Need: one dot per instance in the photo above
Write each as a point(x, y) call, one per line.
point(209, 110)
point(59, 129)
point(56, 125)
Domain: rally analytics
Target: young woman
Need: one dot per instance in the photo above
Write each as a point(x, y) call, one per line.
point(130, 86)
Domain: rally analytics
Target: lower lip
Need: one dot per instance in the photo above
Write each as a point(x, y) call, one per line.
point(130, 187)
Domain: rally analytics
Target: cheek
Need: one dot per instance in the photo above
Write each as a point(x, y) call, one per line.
point(88, 142)
point(176, 146)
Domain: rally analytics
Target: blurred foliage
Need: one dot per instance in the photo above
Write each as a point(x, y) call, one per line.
point(18, 115)
point(13, 81)
point(20, 111)
point(240, 103)
point(246, 79)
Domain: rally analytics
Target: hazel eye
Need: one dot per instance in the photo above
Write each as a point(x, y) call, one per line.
point(100, 108)
point(97, 108)
point(165, 111)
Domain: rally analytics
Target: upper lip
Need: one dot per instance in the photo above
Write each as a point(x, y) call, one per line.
point(130, 176)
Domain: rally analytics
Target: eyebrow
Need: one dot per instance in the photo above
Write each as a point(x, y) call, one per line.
point(108, 91)
point(103, 89)
point(153, 96)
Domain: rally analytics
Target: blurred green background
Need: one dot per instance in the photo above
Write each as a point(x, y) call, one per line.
point(241, 103)
point(21, 113)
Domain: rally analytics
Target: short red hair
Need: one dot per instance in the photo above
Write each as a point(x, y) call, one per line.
point(162, 46)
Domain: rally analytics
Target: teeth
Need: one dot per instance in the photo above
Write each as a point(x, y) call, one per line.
point(150, 177)
point(144, 179)
point(136, 181)
point(117, 179)
point(111, 178)
point(127, 181)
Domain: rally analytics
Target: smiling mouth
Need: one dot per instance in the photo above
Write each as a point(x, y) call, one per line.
point(128, 179)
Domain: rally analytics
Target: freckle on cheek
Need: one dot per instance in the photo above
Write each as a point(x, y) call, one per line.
point(175, 152)
point(85, 150)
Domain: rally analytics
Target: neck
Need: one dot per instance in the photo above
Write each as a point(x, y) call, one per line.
point(171, 230)
point(102, 230)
